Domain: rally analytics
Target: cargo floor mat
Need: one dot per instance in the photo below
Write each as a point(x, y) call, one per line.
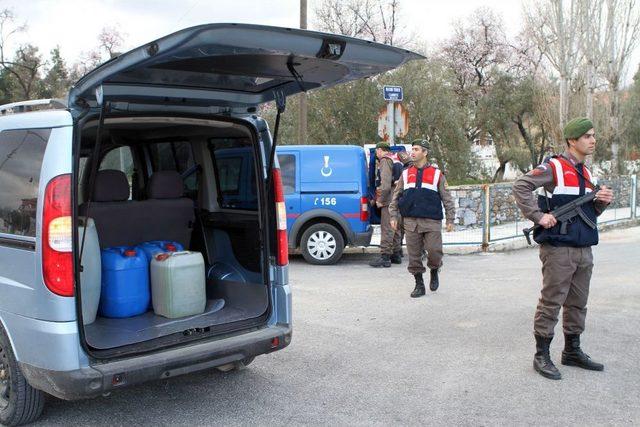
point(236, 302)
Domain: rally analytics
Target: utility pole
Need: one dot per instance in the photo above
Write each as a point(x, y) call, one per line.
point(302, 114)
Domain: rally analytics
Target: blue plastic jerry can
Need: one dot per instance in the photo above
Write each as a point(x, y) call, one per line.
point(125, 282)
point(153, 247)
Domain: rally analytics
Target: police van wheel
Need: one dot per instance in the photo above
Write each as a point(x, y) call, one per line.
point(19, 402)
point(322, 244)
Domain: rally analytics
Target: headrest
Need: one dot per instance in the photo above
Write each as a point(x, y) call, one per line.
point(165, 185)
point(111, 186)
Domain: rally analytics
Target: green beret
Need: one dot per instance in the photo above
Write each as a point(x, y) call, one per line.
point(384, 145)
point(422, 143)
point(577, 127)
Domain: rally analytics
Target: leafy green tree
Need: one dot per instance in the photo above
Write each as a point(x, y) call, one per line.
point(23, 73)
point(434, 113)
point(57, 81)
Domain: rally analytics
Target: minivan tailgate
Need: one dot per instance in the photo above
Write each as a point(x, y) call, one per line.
point(234, 65)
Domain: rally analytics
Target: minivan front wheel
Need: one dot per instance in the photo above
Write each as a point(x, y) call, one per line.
point(19, 402)
point(322, 244)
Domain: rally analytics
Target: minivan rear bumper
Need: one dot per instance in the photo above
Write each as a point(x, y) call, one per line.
point(362, 239)
point(100, 378)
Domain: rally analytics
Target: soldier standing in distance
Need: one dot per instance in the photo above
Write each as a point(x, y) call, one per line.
point(389, 168)
point(566, 258)
point(419, 196)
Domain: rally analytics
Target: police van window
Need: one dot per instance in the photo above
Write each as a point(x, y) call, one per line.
point(175, 156)
point(120, 159)
point(234, 167)
point(288, 172)
point(21, 153)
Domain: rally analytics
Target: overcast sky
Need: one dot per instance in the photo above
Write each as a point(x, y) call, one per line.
point(75, 24)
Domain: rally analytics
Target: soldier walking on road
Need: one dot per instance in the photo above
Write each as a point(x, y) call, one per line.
point(388, 171)
point(419, 196)
point(566, 255)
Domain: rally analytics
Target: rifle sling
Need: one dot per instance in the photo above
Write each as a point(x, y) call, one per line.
point(586, 219)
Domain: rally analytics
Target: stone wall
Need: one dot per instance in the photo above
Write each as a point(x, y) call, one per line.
point(469, 202)
point(503, 205)
point(622, 188)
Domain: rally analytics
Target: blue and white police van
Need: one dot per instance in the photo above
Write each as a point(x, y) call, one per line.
point(326, 193)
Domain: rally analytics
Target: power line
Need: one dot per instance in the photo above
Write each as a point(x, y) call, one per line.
point(188, 11)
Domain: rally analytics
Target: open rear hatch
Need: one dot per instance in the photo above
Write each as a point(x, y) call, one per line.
point(234, 66)
point(157, 94)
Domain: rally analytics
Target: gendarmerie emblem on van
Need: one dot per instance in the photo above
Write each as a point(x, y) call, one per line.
point(326, 170)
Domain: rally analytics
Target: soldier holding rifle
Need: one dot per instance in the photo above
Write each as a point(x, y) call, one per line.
point(565, 246)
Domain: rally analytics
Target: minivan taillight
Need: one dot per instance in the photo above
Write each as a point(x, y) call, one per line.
point(57, 238)
point(282, 257)
point(364, 209)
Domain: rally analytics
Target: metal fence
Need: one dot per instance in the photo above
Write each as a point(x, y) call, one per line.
point(499, 219)
point(488, 214)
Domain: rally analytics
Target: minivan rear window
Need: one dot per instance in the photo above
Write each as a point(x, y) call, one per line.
point(234, 165)
point(21, 153)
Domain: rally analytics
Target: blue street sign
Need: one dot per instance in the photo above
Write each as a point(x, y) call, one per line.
point(392, 93)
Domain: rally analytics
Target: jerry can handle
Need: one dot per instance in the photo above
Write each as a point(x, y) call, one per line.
point(180, 253)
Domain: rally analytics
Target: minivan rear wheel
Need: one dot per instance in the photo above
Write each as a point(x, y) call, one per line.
point(19, 402)
point(322, 244)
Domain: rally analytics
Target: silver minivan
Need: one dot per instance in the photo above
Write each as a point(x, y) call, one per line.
point(137, 151)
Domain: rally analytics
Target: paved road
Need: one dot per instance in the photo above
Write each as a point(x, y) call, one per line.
point(365, 353)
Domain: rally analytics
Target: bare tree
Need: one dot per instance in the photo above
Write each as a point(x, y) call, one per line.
point(553, 25)
point(8, 28)
point(25, 67)
point(477, 49)
point(86, 62)
point(622, 32)
point(526, 57)
point(592, 39)
point(111, 40)
point(375, 20)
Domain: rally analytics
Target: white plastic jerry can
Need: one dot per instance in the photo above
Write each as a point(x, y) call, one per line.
point(91, 273)
point(178, 284)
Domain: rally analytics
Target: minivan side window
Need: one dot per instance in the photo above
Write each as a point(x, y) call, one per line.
point(234, 165)
point(229, 175)
point(21, 153)
point(120, 159)
point(288, 172)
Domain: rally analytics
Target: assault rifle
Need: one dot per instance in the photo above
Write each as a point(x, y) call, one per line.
point(565, 213)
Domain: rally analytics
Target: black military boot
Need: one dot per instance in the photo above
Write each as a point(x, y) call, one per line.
point(396, 258)
point(383, 261)
point(542, 360)
point(419, 289)
point(572, 355)
point(434, 282)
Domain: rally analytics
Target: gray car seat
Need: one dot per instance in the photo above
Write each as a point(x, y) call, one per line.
point(167, 215)
point(116, 217)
